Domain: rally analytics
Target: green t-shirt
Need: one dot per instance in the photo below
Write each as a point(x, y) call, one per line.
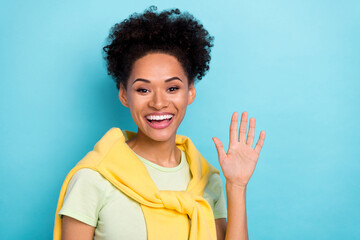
point(91, 199)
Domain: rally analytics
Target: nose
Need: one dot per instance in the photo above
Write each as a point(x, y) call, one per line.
point(159, 100)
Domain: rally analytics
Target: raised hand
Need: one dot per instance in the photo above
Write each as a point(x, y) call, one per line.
point(238, 164)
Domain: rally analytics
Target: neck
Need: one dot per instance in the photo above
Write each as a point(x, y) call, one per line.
point(163, 153)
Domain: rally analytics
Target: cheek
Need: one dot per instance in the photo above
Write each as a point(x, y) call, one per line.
point(135, 106)
point(181, 101)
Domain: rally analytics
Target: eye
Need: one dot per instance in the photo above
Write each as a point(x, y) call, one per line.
point(172, 89)
point(142, 90)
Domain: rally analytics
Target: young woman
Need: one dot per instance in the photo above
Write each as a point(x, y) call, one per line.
point(154, 184)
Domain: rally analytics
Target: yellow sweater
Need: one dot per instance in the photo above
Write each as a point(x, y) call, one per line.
point(166, 212)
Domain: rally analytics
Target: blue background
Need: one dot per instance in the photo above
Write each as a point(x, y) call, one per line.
point(293, 65)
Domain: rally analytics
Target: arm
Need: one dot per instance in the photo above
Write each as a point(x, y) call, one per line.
point(237, 226)
point(236, 201)
point(238, 164)
point(220, 228)
point(73, 229)
point(84, 197)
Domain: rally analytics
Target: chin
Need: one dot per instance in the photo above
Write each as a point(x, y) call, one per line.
point(160, 136)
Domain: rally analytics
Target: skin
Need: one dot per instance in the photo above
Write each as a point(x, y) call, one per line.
point(238, 164)
point(158, 83)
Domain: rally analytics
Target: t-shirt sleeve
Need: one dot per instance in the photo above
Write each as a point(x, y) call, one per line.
point(84, 196)
point(215, 195)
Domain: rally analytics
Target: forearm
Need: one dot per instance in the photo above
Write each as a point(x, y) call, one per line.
point(237, 223)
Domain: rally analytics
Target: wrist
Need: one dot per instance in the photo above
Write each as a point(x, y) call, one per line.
point(235, 186)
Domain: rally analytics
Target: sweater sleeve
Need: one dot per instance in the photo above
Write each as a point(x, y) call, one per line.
point(84, 196)
point(214, 194)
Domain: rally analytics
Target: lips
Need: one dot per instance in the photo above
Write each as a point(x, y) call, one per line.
point(159, 120)
point(159, 117)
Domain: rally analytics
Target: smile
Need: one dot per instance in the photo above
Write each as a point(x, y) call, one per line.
point(159, 117)
point(159, 121)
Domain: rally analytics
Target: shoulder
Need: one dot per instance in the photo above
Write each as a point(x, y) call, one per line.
point(86, 188)
point(215, 195)
point(84, 197)
point(87, 173)
point(87, 181)
point(214, 185)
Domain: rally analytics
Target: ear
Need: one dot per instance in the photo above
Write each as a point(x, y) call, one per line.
point(123, 96)
point(191, 93)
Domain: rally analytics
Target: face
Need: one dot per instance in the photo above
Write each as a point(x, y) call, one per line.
point(157, 94)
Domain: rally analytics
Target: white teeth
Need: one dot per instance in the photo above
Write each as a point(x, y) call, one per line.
point(159, 117)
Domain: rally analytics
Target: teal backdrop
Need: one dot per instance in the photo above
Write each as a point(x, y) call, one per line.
point(293, 65)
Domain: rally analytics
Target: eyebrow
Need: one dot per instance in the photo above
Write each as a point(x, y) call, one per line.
point(148, 81)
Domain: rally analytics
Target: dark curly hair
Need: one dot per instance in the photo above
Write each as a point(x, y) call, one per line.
point(170, 31)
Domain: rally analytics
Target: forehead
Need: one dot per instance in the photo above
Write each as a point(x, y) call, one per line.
point(157, 67)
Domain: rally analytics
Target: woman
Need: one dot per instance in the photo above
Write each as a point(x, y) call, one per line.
point(154, 184)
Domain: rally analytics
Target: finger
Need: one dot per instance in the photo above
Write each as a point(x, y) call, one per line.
point(260, 142)
point(233, 127)
point(251, 133)
point(242, 130)
point(220, 148)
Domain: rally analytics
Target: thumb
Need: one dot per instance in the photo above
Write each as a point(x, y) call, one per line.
point(219, 148)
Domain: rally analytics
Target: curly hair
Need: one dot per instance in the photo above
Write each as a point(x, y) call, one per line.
point(170, 31)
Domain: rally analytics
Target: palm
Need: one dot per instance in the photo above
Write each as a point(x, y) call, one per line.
point(238, 164)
